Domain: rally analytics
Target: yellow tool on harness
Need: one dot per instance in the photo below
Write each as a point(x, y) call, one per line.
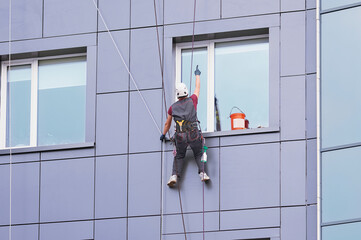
point(180, 124)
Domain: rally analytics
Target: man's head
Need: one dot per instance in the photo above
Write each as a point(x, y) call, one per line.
point(181, 90)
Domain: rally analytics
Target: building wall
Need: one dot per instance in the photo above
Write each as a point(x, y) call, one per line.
point(340, 147)
point(263, 184)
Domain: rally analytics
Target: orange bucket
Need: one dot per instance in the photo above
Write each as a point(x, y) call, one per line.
point(238, 120)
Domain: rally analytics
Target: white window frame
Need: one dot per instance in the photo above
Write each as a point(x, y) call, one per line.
point(34, 62)
point(210, 45)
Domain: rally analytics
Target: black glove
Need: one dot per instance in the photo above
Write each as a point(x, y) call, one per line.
point(197, 72)
point(162, 137)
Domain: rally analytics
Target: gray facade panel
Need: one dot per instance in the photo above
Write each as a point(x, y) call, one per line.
point(144, 184)
point(293, 5)
point(312, 171)
point(116, 14)
point(191, 187)
point(112, 74)
point(143, 13)
point(183, 11)
point(238, 8)
point(24, 194)
point(249, 139)
point(26, 157)
point(248, 174)
point(26, 20)
point(141, 126)
point(67, 190)
point(247, 219)
point(144, 228)
point(65, 154)
point(293, 43)
point(65, 17)
point(293, 173)
point(22, 232)
point(293, 223)
point(112, 124)
point(293, 110)
point(67, 230)
point(144, 54)
point(311, 106)
point(193, 222)
point(312, 222)
point(111, 229)
point(111, 186)
point(311, 44)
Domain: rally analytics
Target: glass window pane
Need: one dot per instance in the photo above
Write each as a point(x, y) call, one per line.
point(200, 58)
point(61, 104)
point(328, 4)
point(341, 184)
point(242, 80)
point(340, 91)
point(18, 106)
point(350, 231)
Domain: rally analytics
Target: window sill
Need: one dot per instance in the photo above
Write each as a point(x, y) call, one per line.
point(241, 132)
point(47, 148)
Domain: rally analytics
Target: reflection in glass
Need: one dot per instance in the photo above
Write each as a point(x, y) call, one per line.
point(200, 58)
point(328, 4)
point(340, 96)
point(349, 231)
point(341, 184)
point(242, 80)
point(18, 106)
point(61, 104)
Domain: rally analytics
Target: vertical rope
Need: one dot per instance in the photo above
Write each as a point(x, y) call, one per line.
point(10, 140)
point(194, 25)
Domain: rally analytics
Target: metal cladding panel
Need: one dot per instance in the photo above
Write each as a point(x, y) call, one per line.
point(172, 224)
point(70, 153)
point(311, 171)
point(293, 109)
point(250, 176)
point(293, 173)
point(247, 219)
point(311, 106)
point(292, 5)
point(22, 232)
point(238, 8)
point(144, 132)
point(64, 17)
point(143, 228)
point(111, 186)
point(25, 157)
point(311, 43)
point(293, 43)
point(67, 190)
point(112, 124)
point(111, 229)
point(143, 13)
point(68, 230)
point(26, 20)
point(183, 11)
point(144, 55)
point(312, 222)
point(191, 187)
point(311, 4)
point(25, 193)
point(116, 14)
point(144, 192)
point(293, 223)
point(112, 74)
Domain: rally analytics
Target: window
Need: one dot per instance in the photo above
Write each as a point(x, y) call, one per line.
point(235, 73)
point(43, 101)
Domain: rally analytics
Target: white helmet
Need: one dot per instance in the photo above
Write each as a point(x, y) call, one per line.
point(181, 90)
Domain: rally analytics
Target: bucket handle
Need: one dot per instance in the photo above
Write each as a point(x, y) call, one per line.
point(234, 108)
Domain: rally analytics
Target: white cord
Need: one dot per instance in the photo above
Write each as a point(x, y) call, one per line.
point(127, 68)
point(10, 145)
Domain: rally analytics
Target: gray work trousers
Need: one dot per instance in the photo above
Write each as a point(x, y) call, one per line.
point(183, 140)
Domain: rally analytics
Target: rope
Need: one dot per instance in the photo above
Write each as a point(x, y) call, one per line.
point(126, 66)
point(10, 140)
point(194, 25)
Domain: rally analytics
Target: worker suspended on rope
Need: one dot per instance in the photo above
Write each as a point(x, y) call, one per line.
point(184, 112)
